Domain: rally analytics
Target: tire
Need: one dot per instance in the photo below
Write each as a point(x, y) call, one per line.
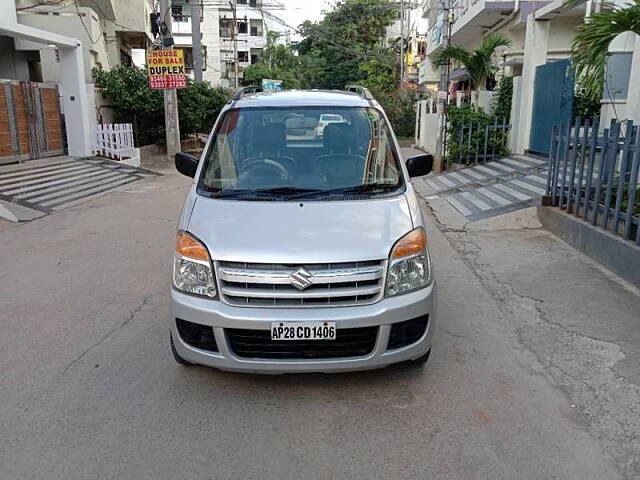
point(177, 356)
point(420, 361)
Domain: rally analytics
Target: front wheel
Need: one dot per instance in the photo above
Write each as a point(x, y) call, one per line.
point(420, 361)
point(177, 356)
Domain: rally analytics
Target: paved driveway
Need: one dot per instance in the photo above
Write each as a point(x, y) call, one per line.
point(495, 188)
point(90, 390)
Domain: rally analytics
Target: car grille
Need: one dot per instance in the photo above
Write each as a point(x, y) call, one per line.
point(349, 342)
point(331, 284)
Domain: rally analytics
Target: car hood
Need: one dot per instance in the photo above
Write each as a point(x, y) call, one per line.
point(300, 232)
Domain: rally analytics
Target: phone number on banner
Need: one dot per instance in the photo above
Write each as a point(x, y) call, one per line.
point(168, 81)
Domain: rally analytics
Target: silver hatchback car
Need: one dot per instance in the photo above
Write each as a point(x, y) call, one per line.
point(299, 253)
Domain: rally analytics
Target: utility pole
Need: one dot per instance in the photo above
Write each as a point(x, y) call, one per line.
point(196, 40)
point(234, 33)
point(450, 20)
point(171, 120)
point(401, 43)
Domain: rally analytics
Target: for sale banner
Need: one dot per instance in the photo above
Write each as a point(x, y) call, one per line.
point(166, 69)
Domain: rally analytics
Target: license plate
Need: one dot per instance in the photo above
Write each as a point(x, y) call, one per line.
point(303, 331)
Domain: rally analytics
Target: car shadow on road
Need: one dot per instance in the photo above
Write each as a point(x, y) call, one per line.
point(397, 385)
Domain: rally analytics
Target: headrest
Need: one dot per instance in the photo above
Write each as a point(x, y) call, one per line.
point(271, 138)
point(339, 137)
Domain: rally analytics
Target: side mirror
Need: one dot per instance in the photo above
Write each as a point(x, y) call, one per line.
point(419, 165)
point(186, 164)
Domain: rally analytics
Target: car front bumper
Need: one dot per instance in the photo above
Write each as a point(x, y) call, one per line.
point(382, 314)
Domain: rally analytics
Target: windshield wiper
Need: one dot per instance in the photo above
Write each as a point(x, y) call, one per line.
point(364, 188)
point(234, 193)
point(287, 190)
point(273, 192)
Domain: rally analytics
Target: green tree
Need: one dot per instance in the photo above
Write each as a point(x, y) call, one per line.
point(380, 76)
point(343, 48)
point(279, 61)
point(590, 45)
point(349, 40)
point(479, 62)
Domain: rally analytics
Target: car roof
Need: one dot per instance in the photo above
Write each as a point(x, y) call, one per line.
point(302, 98)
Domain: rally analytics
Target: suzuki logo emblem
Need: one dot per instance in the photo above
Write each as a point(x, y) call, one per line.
point(300, 278)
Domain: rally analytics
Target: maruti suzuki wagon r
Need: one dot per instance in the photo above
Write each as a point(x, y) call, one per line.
point(297, 252)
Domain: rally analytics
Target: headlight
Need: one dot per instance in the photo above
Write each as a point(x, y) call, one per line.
point(192, 267)
point(409, 267)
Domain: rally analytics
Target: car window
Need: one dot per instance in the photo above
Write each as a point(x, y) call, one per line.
point(332, 118)
point(257, 149)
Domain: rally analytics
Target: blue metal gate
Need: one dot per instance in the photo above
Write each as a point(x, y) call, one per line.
point(552, 102)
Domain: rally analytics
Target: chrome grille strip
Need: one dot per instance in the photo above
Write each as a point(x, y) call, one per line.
point(271, 285)
point(268, 293)
point(279, 277)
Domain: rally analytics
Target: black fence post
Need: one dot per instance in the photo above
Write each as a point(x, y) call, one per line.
point(592, 158)
point(611, 169)
point(574, 153)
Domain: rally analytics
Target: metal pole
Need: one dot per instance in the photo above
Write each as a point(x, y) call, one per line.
point(171, 120)
point(196, 40)
point(445, 143)
point(234, 32)
point(408, 35)
point(401, 43)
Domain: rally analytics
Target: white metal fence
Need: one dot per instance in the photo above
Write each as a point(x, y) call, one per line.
point(114, 141)
point(428, 125)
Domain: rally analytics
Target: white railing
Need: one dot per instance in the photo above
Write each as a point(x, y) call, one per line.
point(428, 125)
point(114, 141)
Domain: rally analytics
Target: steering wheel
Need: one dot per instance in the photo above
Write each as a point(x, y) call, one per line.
point(264, 167)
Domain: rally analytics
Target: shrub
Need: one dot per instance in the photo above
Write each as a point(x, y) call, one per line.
point(199, 105)
point(476, 116)
point(127, 90)
point(503, 99)
point(583, 105)
point(400, 107)
point(133, 101)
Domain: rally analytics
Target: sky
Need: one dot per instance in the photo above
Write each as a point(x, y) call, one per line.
point(297, 11)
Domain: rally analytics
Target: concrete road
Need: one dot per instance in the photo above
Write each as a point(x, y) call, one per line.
point(89, 390)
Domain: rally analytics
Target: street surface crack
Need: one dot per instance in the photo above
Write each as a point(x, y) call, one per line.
point(580, 366)
point(132, 314)
point(456, 335)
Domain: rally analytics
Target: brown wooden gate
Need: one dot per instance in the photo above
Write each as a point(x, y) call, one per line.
point(30, 121)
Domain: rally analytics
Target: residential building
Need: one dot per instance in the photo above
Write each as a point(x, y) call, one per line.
point(108, 29)
point(56, 45)
point(253, 20)
point(549, 33)
point(410, 25)
point(541, 34)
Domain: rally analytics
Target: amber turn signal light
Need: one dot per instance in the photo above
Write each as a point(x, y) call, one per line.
point(412, 243)
point(189, 247)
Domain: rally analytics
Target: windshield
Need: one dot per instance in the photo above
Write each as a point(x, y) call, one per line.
point(286, 153)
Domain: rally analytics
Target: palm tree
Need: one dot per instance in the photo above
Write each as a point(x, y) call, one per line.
point(590, 46)
point(479, 62)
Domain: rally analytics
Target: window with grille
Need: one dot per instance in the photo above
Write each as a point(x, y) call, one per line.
point(225, 28)
point(255, 27)
point(177, 13)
